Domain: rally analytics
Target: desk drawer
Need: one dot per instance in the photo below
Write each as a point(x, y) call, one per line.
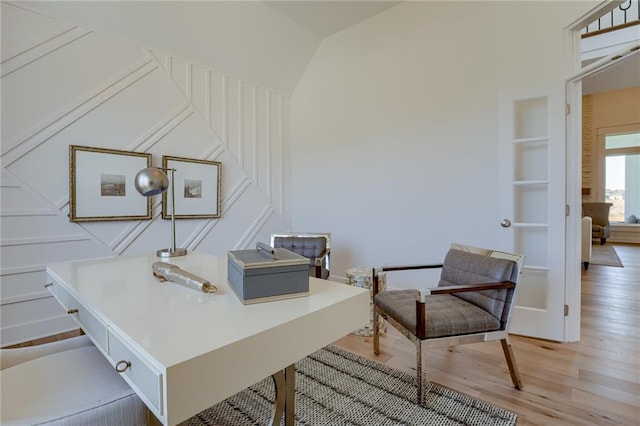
point(145, 379)
point(91, 325)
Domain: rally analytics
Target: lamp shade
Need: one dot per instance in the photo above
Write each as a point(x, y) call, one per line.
point(151, 181)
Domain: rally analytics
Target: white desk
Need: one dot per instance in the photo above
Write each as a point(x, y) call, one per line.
point(189, 350)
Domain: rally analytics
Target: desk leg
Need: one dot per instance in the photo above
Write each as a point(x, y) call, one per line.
point(285, 384)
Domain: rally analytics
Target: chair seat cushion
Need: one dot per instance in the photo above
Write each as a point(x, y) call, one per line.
point(445, 315)
point(73, 387)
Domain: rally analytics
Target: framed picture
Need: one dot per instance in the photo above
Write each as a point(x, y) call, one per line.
point(198, 184)
point(101, 185)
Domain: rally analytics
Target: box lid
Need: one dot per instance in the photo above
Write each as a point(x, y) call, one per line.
point(250, 259)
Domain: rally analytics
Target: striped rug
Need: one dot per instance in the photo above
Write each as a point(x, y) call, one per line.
point(335, 387)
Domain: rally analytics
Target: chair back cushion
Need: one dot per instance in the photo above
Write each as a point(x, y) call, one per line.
point(598, 212)
point(462, 268)
point(310, 247)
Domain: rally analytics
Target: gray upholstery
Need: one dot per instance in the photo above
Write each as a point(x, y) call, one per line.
point(447, 315)
point(461, 268)
point(311, 247)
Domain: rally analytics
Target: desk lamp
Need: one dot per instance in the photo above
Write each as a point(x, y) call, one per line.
point(153, 181)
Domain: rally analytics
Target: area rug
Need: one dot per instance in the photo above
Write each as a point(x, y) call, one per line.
point(604, 255)
point(335, 387)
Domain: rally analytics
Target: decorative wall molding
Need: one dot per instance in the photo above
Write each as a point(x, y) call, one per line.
point(217, 90)
point(26, 212)
point(252, 232)
point(62, 119)
point(26, 297)
point(145, 102)
point(42, 240)
point(163, 127)
point(46, 47)
point(6, 271)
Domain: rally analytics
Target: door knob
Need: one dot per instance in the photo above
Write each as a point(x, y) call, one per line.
point(505, 223)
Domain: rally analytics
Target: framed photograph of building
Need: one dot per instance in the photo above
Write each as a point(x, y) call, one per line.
point(101, 185)
point(197, 192)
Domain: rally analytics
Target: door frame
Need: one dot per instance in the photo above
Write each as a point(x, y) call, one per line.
point(573, 167)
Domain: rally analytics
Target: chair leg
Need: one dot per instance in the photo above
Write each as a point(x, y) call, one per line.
point(419, 371)
point(586, 265)
point(602, 241)
point(511, 362)
point(376, 334)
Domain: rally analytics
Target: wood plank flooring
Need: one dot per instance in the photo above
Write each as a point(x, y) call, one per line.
point(593, 382)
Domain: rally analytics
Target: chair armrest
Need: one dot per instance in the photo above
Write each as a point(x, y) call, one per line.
point(376, 271)
point(408, 267)
point(451, 289)
point(317, 261)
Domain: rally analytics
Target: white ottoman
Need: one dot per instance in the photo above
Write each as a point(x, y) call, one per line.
point(65, 383)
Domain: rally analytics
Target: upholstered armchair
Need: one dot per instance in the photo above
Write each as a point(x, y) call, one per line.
point(315, 247)
point(68, 382)
point(472, 303)
point(599, 214)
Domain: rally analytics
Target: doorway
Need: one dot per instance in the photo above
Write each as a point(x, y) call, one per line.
point(574, 91)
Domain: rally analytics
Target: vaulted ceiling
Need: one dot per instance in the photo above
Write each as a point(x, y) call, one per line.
point(266, 42)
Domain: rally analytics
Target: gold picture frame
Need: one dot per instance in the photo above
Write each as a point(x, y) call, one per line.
point(101, 185)
point(198, 186)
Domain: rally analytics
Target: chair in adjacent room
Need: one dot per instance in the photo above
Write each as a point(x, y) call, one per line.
point(314, 246)
point(599, 214)
point(472, 303)
point(68, 382)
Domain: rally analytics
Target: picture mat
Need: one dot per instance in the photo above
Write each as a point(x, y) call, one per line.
point(207, 204)
point(89, 203)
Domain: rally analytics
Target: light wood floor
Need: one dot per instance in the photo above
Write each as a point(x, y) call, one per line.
point(593, 382)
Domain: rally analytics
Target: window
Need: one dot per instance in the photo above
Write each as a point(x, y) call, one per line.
point(622, 175)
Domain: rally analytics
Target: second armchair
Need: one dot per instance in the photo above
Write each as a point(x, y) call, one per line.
point(599, 214)
point(314, 246)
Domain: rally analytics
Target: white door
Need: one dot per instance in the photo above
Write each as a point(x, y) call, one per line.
point(532, 204)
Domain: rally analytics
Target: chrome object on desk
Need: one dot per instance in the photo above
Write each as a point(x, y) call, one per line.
point(168, 272)
point(153, 181)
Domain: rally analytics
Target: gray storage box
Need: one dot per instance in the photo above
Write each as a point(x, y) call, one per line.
point(255, 276)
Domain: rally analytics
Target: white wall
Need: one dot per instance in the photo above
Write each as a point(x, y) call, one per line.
point(395, 125)
point(65, 85)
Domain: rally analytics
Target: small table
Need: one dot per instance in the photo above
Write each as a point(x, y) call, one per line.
point(363, 277)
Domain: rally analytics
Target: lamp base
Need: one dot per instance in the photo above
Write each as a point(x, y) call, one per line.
point(171, 252)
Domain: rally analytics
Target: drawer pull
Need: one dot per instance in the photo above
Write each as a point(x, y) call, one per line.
point(72, 311)
point(47, 285)
point(123, 366)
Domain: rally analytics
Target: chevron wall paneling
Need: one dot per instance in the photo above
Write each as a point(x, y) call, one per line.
point(63, 85)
